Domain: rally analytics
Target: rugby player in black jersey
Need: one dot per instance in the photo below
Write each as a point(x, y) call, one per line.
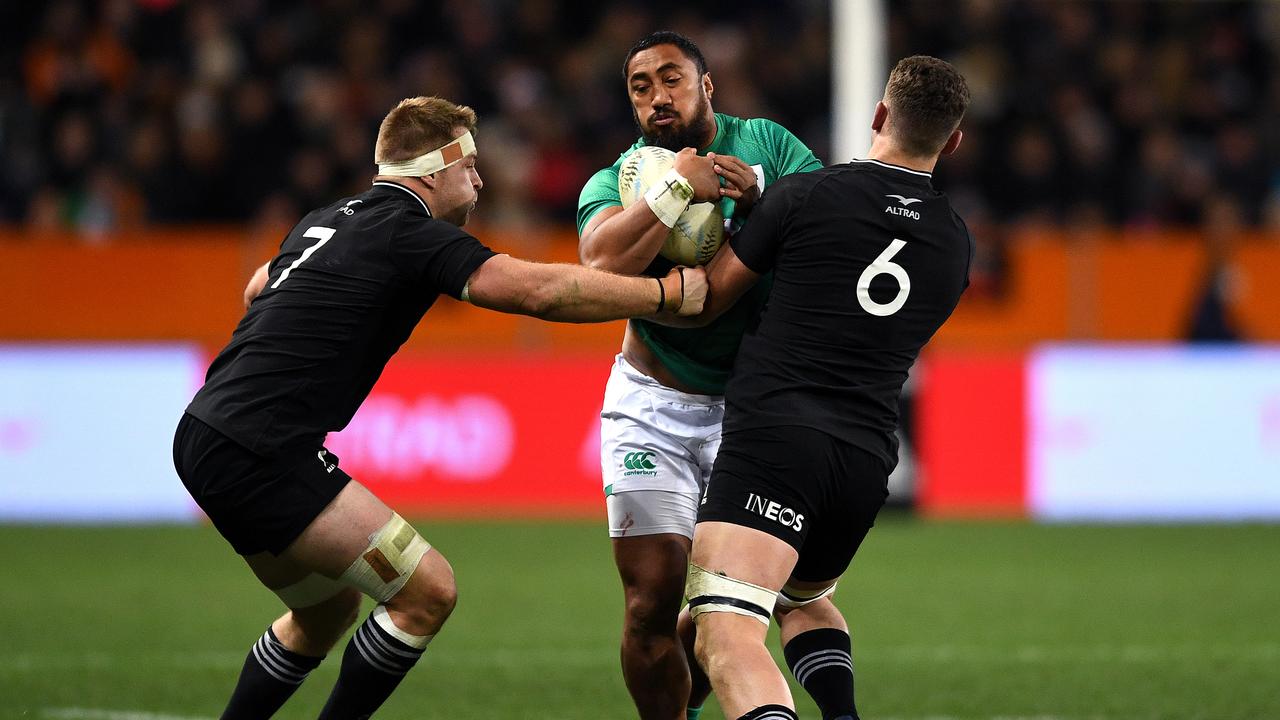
point(350, 283)
point(665, 397)
point(868, 261)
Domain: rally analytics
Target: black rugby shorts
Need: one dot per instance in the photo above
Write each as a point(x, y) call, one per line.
point(258, 503)
point(816, 493)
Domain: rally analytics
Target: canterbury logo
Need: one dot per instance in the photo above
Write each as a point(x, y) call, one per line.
point(904, 200)
point(639, 460)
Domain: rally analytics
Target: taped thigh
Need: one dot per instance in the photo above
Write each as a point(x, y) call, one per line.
point(792, 598)
point(384, 567)
point(310, 590)
point(709, 593)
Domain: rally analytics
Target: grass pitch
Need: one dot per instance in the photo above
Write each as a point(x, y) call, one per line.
point(950, 621)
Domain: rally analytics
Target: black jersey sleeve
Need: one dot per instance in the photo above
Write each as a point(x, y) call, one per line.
point(756, 245)
point(973, 248)
point(437, 253)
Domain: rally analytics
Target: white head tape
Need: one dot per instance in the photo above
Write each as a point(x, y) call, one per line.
point(434, 161)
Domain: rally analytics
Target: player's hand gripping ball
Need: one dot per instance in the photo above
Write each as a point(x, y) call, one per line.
point(698, 232)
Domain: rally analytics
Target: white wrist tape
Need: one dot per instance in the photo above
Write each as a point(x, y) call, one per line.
point(669, 197)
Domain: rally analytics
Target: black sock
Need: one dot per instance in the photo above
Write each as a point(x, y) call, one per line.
point(820, 660)
point(771, 712)
point(372, 667)
point(270, 674)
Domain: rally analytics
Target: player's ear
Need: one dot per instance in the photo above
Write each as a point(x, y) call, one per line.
point(707, 87)
point(953, 142)
point(429, 181)
point(879, 116)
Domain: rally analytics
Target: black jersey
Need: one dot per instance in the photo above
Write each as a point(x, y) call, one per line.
point(868, 261)
point(349, 285)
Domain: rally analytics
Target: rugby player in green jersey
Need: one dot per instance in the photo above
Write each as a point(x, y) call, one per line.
point(663, 406)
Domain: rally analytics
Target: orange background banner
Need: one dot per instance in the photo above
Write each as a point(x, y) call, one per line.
point(186, 284)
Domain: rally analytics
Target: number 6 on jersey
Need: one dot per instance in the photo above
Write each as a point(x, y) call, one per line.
point(884, 265)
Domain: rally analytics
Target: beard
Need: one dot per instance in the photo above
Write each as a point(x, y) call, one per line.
point(676, 136)
point(461, 215)
point(458, 215)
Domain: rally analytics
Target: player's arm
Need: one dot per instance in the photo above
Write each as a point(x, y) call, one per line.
point(573, 293)
point(622, 240)
point(751, 253)
point(727, 279)
point(626, 240)
point(256, 284)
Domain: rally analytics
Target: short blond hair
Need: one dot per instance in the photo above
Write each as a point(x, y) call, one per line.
point(418, 125)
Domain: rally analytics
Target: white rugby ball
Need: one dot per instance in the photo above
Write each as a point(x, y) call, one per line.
point(699, 230)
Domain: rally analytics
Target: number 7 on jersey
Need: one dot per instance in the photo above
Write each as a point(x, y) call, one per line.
point(322, 234)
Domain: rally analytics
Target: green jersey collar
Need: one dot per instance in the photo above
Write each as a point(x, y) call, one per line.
point(714, 147)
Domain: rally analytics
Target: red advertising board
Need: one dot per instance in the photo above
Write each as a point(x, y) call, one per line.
point(519, 436)
point(483, 436)
point(972, 435)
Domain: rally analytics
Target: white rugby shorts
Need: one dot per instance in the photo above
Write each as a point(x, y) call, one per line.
point(651, 512)
point(655, 438)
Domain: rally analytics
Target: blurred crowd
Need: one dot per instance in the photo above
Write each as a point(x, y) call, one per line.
point(1130, 114)
point(116, 113)
point(120, 112)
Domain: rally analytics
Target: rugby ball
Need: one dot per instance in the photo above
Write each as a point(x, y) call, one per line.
point(699, 230)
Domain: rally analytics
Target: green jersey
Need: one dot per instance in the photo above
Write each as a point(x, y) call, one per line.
point(701, 358)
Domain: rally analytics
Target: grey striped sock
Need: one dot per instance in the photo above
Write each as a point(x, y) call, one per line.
point(280, 662)
point(271, 673)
